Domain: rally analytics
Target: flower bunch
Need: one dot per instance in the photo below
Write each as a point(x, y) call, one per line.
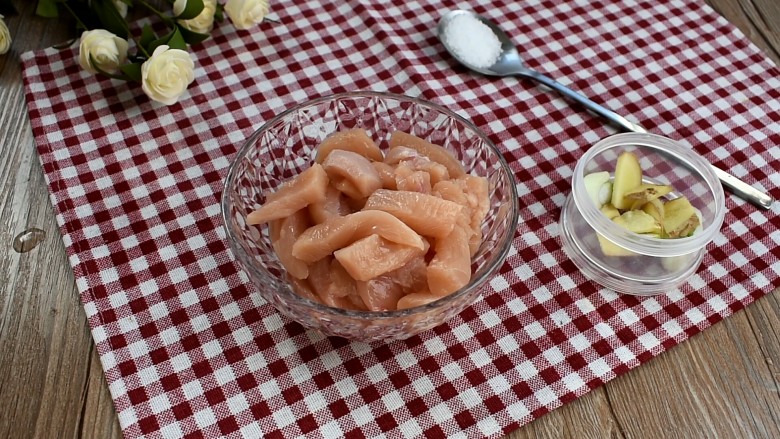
point(5, 37)
point(159, 60)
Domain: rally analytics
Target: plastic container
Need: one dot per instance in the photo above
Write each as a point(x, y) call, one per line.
point(286, 145)
point(657, 265)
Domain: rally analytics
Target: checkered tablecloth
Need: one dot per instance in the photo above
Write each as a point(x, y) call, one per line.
point(188, 347)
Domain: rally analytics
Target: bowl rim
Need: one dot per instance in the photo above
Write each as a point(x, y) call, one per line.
point(650, 246)
point(240, 254)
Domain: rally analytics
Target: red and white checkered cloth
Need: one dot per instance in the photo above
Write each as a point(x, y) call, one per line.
point(190, 350)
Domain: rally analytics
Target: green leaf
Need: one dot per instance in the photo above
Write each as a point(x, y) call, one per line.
point(177, 40)
point(191, 10)
point(132, 71)
point(110, 19)
point(47, 9)
point(218, 16)
point(103, 72)
point(147, 36)
point(191, 37)
point(159, 42)
point(174, 40)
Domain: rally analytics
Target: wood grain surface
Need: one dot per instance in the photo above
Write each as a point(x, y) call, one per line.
point(722, 383)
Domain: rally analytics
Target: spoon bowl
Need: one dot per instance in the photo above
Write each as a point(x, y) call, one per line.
point(509, 63)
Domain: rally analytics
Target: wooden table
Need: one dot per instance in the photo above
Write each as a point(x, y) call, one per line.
point(724, 382)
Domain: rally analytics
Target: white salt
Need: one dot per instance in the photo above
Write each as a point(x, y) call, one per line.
point(472, 41)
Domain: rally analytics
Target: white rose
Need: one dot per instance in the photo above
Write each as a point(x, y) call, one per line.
point(201, 24)
point(166, 74)
point(107, 50)
point(121, 7)
point(246, 13)
point(5, 37)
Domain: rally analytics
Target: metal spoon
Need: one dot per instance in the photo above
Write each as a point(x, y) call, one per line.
point(509, 63)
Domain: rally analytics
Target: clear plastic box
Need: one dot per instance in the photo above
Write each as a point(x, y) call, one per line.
point(656, 265)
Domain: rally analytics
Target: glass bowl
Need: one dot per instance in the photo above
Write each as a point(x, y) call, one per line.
point(285, 146)
point(656, 265)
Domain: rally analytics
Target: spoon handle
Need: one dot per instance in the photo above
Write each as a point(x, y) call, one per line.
point(737, 186)
point(610, 115)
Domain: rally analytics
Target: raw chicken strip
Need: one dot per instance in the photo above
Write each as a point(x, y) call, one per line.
point(475, 240)
point(342, 288)
point(332, 206)
point(308, 187)
point(319, 276)
point(356, 140)
point(325, 238)
point(450, 190)
point(471, 192)
point(477, 194)
point(289, 231)
point(383, 292)
point(427, 214)
point(372, 256)
point(352, 168)
point(320, 281)
point(380, 293)
point(434, 152)
point(274, 226)
point(354, 204)
point(401, 155)
point(332, 287)
point(413, 276)
point(437, 171)
point(386, 174)
point(303, 288)
point(416, 299)
point(450, 268)
point(407, 179)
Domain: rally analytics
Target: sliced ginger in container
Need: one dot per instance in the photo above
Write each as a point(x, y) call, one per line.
point(644, 208)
